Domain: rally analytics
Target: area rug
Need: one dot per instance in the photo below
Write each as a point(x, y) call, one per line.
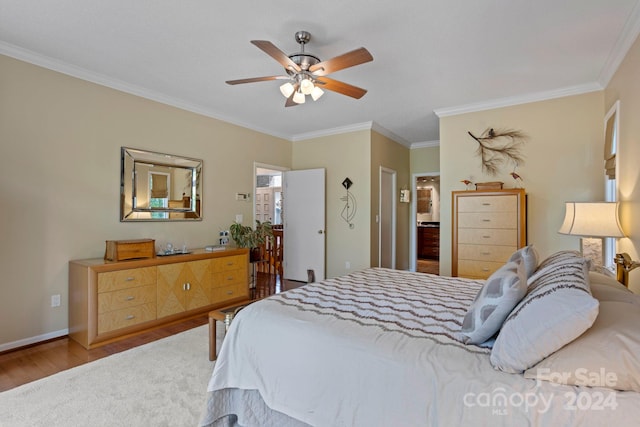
point(162, 383)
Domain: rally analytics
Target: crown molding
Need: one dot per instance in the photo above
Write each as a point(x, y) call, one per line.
point(425, 144)
point(351, 128)
point(626, 39)
point(44, 61)
point(333, 131)
point(520, 99)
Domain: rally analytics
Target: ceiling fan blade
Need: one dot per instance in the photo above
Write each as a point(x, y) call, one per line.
point(271, 50)
point(341, 87)
point(290, 102)
point(256, 79)
point(349, 59)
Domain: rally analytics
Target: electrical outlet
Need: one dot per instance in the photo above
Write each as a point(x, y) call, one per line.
point(55, 300)
point(347, 265)
point(239, 218)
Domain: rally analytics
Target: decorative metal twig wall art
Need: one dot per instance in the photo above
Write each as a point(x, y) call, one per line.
point(496, 147)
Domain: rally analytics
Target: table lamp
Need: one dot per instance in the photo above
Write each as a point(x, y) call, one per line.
point(593, 221)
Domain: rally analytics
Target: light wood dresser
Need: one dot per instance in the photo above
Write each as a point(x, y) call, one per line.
point(112, 300)
point(488, 226)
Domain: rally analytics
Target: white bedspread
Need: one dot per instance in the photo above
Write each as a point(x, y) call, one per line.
point(381, 347)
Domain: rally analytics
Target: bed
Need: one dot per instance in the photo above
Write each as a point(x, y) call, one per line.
point(384, 347)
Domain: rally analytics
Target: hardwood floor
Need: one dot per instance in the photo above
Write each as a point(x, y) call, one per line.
point(40, 360)
point(428, 266)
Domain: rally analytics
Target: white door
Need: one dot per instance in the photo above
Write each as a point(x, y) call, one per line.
point(304, 222)
point(387, 220)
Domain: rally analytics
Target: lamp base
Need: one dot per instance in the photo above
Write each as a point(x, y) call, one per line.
point(624, 265)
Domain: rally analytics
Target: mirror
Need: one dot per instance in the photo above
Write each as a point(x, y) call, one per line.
point(424, 200)
point(159, 187)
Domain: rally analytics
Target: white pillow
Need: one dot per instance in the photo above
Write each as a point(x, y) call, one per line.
point(557, 309)
point(529, 255)
point(502, 291)
point(606, 355)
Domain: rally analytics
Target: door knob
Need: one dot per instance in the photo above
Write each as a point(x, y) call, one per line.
point(320, 231)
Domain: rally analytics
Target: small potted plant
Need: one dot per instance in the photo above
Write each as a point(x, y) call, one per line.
point(247, 237)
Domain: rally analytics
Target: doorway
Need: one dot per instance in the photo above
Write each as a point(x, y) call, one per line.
point(425, 234)
point(268, 194)
point(387, 219)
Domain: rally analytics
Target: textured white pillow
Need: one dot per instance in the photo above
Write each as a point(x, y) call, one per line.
point(502, 291)
point(529, 255)
point(557, 309)
point(606, 355)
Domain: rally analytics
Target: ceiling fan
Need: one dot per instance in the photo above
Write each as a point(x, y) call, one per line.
point(307, 74)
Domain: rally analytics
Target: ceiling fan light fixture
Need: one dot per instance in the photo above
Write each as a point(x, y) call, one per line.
point(316, 93)
point(286, 89)
point(306, 86)
point(299, 98)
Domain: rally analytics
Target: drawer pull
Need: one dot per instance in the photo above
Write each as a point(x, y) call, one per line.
point(229, 264)
point(486, 237)
point(130, 298)
point(130, 317)
point(129, 279)
point(229, 292)
point(485, 253)
point(486, 220)
point(485, 269)
point(230, 278)
point(486, 204)
point(186, 286)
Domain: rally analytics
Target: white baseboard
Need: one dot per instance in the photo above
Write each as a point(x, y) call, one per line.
point(33, 340)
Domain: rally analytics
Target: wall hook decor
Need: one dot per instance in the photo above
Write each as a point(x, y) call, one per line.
point(496, 147)
point(349, 210)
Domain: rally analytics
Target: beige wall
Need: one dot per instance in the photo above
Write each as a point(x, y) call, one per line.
point(391, 155)
point(344, 155)
point(625, 86)
point(425, 160)
point(60, 173)
point(563, 163)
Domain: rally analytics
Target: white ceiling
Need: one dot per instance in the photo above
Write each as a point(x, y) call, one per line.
point(447, 56)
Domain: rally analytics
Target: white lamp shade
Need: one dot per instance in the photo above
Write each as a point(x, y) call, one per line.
point(316, 93)
point(298, 98)
point(591, 219)
point(306, 86)
point(286, 89)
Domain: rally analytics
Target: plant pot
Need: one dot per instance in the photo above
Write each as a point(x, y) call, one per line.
point(255, 254)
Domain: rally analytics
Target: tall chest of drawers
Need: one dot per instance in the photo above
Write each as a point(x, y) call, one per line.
point(112, 300)
point(488, 226)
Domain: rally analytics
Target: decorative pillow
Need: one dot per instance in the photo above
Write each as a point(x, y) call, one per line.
point(557, 309)
point(606, 355)
point(529, 255)
point(502, 291)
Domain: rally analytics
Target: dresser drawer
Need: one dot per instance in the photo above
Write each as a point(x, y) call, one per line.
point(228, 263)
point(226, 293)
point(110, 301)
point(477, 269)
point(487, 220)
point(124, 317)
point(508, 203)
point(490, 236)
point(485, 252)
point(232, 277)
point(123, 279)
